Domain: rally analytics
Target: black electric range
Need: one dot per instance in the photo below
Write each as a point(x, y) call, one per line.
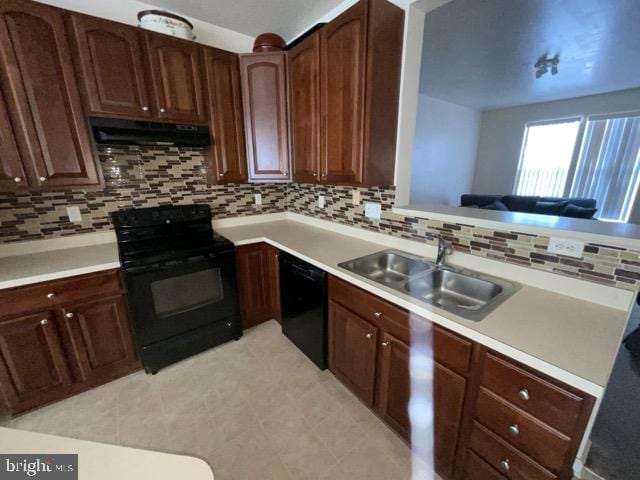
point(181, 281)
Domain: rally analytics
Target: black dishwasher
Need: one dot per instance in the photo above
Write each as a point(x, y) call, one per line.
point(303, 301)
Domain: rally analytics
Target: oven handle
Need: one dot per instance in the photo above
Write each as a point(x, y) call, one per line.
point(163, 266)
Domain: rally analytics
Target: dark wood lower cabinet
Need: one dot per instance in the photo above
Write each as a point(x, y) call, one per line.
point(33, 366)
point(493, 418)
point(58, 348)
point(352, 351)
point(99, 336)
point(258, 283)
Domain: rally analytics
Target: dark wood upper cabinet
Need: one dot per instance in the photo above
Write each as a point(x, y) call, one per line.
point(258, 283)
point(352, 351)
point(111, 67)
point(100, 338)
point(229, 161)
point(12, 174)
point(33, 369)
point(360, 62)
point(343, 60)
point(264, 97)
point(176, 67)
point(42, 95)
point(304, 112)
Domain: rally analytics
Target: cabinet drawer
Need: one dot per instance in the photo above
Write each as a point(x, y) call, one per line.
point(451, 350)
point(16, 301)
point(371, 308)
point(503, 457)
point(547, 401)
point(478, 469)
point(536, 439)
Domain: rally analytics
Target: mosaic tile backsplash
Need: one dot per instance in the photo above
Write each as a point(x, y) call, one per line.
point(136, 177)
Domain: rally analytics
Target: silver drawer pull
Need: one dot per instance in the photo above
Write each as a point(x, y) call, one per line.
point(377, 314)
point(514, 430)
point(524, 394)
point(69, 315)
point(145, 109)
point(385, 344)
point(44, 321)
point(162, 110)
point(505, 465)
point(17, 179)
point(369, 335)
point(42, 179)
point(51, 295)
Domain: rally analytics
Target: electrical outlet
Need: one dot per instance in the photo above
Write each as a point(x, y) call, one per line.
point(257, 198)
point(320, 201)
point(355, 196)
point(372, 210)
point(74, 214)
point(566, 246)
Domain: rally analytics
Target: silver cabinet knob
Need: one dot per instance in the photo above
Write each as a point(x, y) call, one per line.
point(229, 324)
point(42, 179)
point(17, 179)
point(69, 315)
point(44, 321)
point(524, 394)
point(285, 173)
point(51, 295)
point(369, 335)
point(505, 465)
point(514, 430)
point(385, 344)
point(221, 175)
point(145, 109)
point(162, 110)
point(313, 174)
point(377, 314)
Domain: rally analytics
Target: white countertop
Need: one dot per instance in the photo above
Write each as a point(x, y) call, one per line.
point(99, 461)
point(43, 266)
point(569, 339)
point(565, 337)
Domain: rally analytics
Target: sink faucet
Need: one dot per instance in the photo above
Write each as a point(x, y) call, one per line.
point(444, 248)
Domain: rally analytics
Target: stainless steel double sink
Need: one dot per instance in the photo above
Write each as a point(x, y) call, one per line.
point(468, 294)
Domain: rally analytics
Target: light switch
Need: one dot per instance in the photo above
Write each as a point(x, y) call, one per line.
point(372, 210)
point(74, 214)
point(355, 196)
point(258, 198)
point(320, 201)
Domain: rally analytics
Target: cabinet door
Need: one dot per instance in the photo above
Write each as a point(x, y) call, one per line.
point(12, 174)
point(176, 67)
point(111, 67)
point(352, 351)
point(225, 113)
point(100, 338)
point(265, 116)
point(342, 66)
point(42, 94)
point(33, 370)
point(394, 385)
point(448, 399)
point(304, 114)
point(258, 283)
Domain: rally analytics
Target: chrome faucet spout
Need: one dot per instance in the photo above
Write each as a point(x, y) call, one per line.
point(444, 248)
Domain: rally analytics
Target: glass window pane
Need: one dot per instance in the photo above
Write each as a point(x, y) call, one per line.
point(546, 158)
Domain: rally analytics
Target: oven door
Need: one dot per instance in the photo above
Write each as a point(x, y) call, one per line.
point(179, 296)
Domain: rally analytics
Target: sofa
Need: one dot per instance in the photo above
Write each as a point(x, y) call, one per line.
point(559, 206)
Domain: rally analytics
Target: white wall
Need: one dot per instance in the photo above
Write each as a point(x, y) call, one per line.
point(126, 11)
point(502, 131)
point(444, 151)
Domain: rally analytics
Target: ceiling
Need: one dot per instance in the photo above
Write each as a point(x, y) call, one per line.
point(252, 17)
point(480, 54)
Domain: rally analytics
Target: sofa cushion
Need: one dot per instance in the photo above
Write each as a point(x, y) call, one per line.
point(576, 211)
point(518, 203)
point(551, 208)
point(496, 205)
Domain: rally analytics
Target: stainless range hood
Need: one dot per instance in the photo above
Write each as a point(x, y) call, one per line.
point(116, 131)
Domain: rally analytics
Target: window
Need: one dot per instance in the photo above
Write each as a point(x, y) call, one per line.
point(606, 166)
point(546, 158)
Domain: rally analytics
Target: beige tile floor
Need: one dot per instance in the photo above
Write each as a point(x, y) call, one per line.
point(253, 409)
